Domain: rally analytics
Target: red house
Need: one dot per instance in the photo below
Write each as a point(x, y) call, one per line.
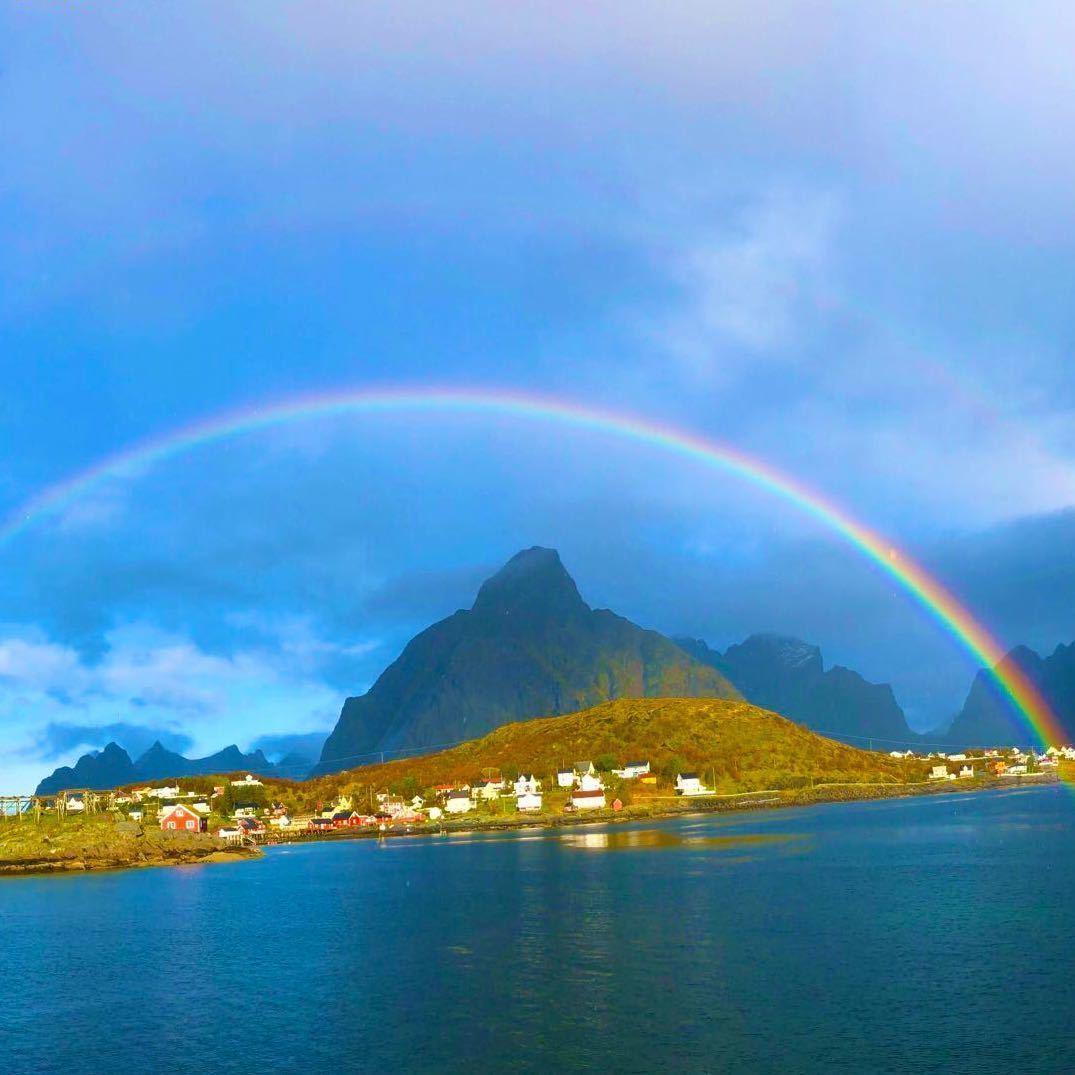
point(181, 818)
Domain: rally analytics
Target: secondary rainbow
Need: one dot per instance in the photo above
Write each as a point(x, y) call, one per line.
point(927, 590)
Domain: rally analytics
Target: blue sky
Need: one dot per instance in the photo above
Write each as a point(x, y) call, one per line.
point(839, 238)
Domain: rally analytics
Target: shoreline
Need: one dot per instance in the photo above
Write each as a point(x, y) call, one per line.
point(737, 802)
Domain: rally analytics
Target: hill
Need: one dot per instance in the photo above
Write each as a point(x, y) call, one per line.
point(528, 647)
point(789, 676)
point(988, 718)
point(735, 745)
point(112, 767)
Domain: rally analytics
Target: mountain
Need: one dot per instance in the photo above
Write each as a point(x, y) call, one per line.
point(986, 719)
point(736, 745)
point(529, 646)
point(112, 767)
point(108, 768)
point(789, 676)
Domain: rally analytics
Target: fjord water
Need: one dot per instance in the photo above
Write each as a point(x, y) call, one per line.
point(914, 936)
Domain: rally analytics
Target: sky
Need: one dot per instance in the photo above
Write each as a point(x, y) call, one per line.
point(837, 237)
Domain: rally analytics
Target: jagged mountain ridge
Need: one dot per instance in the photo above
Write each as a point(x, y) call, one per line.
point(789, 677)
point(529, 647)
point(113, 767)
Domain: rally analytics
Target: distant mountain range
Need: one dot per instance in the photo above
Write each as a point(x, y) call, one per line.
point(529, 647)
point(112, 767)
point(986, 719)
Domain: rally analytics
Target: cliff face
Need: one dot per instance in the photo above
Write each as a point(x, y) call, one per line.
point(529, 647)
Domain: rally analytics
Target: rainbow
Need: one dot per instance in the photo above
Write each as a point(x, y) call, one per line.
point(927, 590)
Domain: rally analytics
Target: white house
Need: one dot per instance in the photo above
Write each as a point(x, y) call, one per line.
point(957, 757)
point(281, 821)
point(632, 769)
point(690, 784)
point(588, 800)
point(247, 781)
point(565, 778)
point(966, 771)
point(529, 800)
point(165, 792)
point(584, 768)
point(1016, 770)
point(458, 802)
point(488, 791)
point(527, 785)
point(939, 772)
point(590, 782)
point(435, 813)
point(232, 835)
point(201, 806)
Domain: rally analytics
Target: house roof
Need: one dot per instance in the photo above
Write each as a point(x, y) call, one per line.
point(459, 794)
point(688, 776)
point(598, 793)
point(635, 764)
point(343, 815)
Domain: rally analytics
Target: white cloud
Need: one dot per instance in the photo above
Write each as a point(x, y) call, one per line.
point(149, 677)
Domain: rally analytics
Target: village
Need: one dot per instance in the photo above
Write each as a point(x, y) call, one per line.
point(244, 809)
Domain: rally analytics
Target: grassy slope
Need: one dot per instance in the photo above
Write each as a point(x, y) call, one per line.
point(736, 746)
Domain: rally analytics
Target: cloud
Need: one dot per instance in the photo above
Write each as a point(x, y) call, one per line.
point(146, 682)
point(755, 288)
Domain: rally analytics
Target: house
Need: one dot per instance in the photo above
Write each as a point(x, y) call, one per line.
point(648, 778)
point(527, 785)
point(164, 793)
point(632, 770)
point(690, 784)
point(458, 802)
point(590, 782)
point(565, 778)
point(75, 804)
point(1017, 770)
point(181, 818)
point(345, 819)
point(582, 799)
point(488, 791)
point(939, 772)
point(247, 781)
point(201, 806)
point(245, 810)
point(250, 826)
point(135, 815)
point(435, 813)
point(319, 824)
point(957, 757)
point(281, 821)
point(584, 768)
point(230, 833)
point(528, 800)
point(966, 771)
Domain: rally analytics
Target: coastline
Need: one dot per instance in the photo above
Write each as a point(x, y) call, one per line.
point(666, 809)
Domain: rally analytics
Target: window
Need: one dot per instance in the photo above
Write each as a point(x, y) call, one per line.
point(190, 824)
point(171, 824)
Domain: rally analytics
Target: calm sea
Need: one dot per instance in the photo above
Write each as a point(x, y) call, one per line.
point(930, 935)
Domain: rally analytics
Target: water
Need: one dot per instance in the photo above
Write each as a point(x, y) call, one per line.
point(917, 936)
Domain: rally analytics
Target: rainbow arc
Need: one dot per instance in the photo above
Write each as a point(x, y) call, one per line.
point(926, 589)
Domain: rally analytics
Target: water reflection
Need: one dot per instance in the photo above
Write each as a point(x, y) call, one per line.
point(659, 839)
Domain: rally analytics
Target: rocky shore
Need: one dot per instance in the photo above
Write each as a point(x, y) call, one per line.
point(90, 844)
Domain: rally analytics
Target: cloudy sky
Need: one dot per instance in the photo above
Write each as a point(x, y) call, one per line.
point(840, 237)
